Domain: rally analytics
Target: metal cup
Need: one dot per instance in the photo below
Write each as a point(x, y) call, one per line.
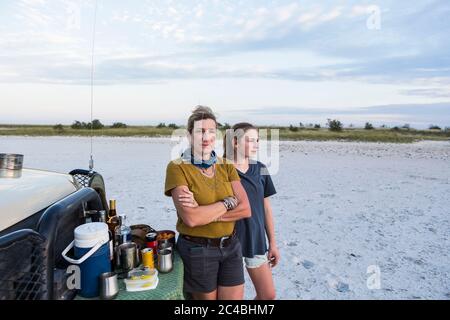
point(7, 173)
point(101, 216)
point(109, 285)
point(89, 215)
point(164, 244)
point(128, 256)
point(95, 215)
point(165, 262)
point(11, 165)
point(11, 161)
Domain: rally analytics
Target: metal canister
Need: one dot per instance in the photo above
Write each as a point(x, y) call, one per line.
point(128, 259)
point(102, 216)
point(11, 161)
point(151, 242)
point(148, 260)
point(151, 236)
point(11, 165)
point(165, 260)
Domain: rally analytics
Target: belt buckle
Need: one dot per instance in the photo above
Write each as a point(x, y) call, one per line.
point(222, 240)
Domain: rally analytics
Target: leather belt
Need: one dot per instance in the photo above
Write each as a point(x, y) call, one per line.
point(213, 242)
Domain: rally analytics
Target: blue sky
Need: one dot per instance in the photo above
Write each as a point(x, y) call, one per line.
point(268, 62)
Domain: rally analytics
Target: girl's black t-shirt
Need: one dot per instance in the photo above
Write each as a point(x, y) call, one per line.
point(252, 231)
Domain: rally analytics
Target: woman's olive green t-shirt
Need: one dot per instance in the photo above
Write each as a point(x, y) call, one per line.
point(206, 191)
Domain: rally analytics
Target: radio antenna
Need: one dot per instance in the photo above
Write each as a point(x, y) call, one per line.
point(91, 160)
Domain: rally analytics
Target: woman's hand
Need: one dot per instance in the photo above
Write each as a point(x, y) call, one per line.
point(273, 255)
point(187, 199)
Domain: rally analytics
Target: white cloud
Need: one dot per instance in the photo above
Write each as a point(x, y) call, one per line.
point(169, 30)
point(308, 17)
point(262, 11)
point(35, 41)
point(285, 13)
point(229, 26)
point(360, 10)
point(171, 12)
point(331, 15)
point(199, 12)
point(316, 16)
point(179, 34)
point(7, 72)
point(35, 17)
point(121, 17)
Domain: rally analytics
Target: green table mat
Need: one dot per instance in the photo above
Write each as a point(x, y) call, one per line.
point(170, 286)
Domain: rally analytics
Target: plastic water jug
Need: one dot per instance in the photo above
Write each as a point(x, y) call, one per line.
point(92, 254)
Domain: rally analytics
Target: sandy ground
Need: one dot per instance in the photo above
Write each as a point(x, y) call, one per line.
point(344, 211)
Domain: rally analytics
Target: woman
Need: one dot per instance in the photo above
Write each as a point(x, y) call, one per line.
point(241, 146)
point(209, 198)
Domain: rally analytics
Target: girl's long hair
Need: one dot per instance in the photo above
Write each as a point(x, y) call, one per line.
point(233, 134)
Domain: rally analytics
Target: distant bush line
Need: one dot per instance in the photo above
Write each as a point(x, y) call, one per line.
point(333, 129)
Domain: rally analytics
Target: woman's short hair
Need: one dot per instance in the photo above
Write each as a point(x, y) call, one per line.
point(200, 113)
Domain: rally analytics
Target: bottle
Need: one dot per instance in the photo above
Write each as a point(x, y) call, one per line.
point(112, 208)
point(113, 222)
point(111, 250)
point(123, 231)
point(113, 219)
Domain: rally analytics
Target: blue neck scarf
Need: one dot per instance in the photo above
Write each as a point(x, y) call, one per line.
point(203, 164)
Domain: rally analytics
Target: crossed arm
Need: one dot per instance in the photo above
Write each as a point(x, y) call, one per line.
point(194, 215)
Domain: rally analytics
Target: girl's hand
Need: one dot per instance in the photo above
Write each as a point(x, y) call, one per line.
point(273, 256)
point(187, 199)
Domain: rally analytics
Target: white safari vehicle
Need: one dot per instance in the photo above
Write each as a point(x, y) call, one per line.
point(38, 212)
